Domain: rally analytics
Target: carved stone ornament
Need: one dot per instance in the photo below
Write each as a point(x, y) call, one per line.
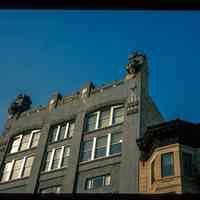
point(135, 62)
point(132, 103)
point(20, 104)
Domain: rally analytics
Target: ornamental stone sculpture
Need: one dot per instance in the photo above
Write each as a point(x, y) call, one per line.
point(20, 104)
point(135, 62)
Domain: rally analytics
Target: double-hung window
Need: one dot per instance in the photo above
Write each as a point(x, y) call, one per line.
point(57, 158)
point(17, 169)
point(62, 131)
point(103, 146)
point(104, 118)
point(98, 182)
point(167, 164)
point(53, 189)
point(25, 141)
point(187, 164)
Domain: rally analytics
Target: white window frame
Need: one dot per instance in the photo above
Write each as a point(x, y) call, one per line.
point(60, 158)
point(108, 146)
point(66, 130)
point(19, 145)
point(21, 168)
point(98, 113)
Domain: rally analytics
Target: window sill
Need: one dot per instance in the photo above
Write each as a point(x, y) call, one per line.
point(101, 158)
point(53, 170)
point(15, 180)
point(26, 150)
point(99, 129)
point(59, 141)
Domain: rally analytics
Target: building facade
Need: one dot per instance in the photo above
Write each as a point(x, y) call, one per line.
point(91, 142)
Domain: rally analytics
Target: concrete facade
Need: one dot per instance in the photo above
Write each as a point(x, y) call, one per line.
point(139, 112)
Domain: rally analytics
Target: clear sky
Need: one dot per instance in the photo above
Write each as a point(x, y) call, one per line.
point(44, 51)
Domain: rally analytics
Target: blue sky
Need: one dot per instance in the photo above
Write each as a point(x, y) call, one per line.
point(44, 51)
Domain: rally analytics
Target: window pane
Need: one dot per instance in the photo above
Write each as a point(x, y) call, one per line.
point(107, 180)
point(118, 115)
point(91, 122)
point(86, 150)
point(153, 171)
point(66, 155)
point(56, 158)
point(98, 181)
point(62, 132)
point(15, 145)
point(187, 164)
point(54, 189)
point(116, 143)
point(48, 157)
point(6, 172)
point(35, 139)
point(54, 133)
point(104, 119)
point(16, 169)
point(101, 144)
point(25, 142)
point(167, 164)
point(71, 129)
point(89, 184)
point(28, 166)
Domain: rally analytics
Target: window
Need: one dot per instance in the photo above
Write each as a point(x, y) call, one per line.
point(86, 151)
point(28, 166)
point(7, 172)
point(152, 171)
point(62, 131)
point(116, 143)
point(104, 118)
point(57, 158)
point(17, 169)
point(25, 141)
point(101, 147)
point(167, 164)
point(54, 189)
point(97, 182)
point(15, 144)
point(187, 164)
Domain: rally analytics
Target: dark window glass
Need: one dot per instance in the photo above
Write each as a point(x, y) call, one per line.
point(98, 181)
point(101, 144)
point(153, 171)
point(91, 121)
point(66, 155)
point(62, 132)
point(167, 164)
point(187, 164)
point(116, 143)
point(104, 118)
point(86, 150)
point(56, 159)
point(54, 133)
point(118, 115)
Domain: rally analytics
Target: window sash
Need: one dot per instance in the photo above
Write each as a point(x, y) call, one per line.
point(28, 166)
point(167, 164)
point(98, 119)
point(94, 150)
point(7, 171)
point(16, 144)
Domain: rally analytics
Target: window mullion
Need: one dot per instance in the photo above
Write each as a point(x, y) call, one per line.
point(93, 148)
point(57, 133)
point(97, 120)
point(20, 141)
point(51, 159)
point(30, 140)
point(108, 144)
point(61, 157)
point(22, 167)
point(111, 116)
point(66, 130)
